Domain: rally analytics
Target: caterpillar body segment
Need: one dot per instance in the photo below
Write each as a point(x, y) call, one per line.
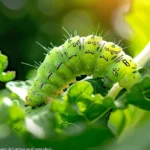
point(89, 52)
point(130, 79)
point(79, 56)
point(72, 48)
point(117, 69)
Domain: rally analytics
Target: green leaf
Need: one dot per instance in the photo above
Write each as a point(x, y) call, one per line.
point(145, 71)
point(78, 90)
point(12, 114)
point(137, 139)
point(131, 116)
point(98, 86)
point(80, 96)
point(90, 137)
point(42, 122)
point(5, 76)
point(20, 88)
point(16, 113)
point(99, 108)
point(3, 62)
point(9, 139)
point(80, 107)
point(4, 107)
point(139, 94)
point(5, 94)
point(122, 120)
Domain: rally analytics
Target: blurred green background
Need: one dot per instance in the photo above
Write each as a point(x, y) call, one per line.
point(22, 22)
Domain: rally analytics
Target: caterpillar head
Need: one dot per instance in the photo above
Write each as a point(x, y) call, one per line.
point(34, 98)
point(3, 61)
point(29, 98)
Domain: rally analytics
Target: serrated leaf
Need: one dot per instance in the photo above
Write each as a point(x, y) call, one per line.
point(80, 97)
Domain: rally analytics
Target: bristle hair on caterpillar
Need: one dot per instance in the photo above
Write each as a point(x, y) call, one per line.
point(91, 56)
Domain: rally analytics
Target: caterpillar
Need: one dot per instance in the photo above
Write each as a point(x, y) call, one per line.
point(91, 56)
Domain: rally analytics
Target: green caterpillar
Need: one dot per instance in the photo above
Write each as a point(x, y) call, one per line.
point(79, 56)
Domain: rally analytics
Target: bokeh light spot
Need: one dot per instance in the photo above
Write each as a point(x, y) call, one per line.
point(50, 7)
point(78, 20)
point(14, 4)
point(119, 23)
point(49, 27)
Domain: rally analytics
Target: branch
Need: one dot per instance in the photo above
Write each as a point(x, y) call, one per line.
point(143, 57)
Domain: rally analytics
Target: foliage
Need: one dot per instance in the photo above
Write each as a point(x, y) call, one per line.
point(85, 116)
point(5, 76)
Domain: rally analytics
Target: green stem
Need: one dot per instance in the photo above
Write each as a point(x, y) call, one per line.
point(114, 91)
point(141, 59)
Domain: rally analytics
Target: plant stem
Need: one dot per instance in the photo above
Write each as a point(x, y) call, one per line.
point(141, 59)
point(114, 91)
